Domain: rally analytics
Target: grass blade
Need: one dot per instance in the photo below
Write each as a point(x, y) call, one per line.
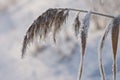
point(100, 50)
point(84, 31)
point(115, 35)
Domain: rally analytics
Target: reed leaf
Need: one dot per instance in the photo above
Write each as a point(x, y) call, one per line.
point(102, 72)
point(115, 30)
point(115, 35)
point(84, 31)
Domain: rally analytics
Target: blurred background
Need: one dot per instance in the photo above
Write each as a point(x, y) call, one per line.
point(48, 61)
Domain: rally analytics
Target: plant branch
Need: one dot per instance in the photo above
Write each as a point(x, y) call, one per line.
point(85, 11)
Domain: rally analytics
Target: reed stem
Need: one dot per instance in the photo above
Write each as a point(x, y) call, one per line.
point(85, 11)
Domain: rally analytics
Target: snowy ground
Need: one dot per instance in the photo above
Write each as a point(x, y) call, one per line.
point(59, 63)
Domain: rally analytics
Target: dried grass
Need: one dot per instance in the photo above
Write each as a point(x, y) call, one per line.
point(52, 21)
point(114, 25)
point(84, 32)
point(76, 25)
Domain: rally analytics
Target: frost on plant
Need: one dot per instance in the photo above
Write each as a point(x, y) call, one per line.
point(83, 34)
point(114, 25)
point(115, 35)
point(52, 21)
point(43, 25)
point(100, 50)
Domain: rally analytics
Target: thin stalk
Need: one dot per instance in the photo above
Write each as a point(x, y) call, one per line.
point(114, 69)
point(85, 11)
point(81, 67)
point(102, 73)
